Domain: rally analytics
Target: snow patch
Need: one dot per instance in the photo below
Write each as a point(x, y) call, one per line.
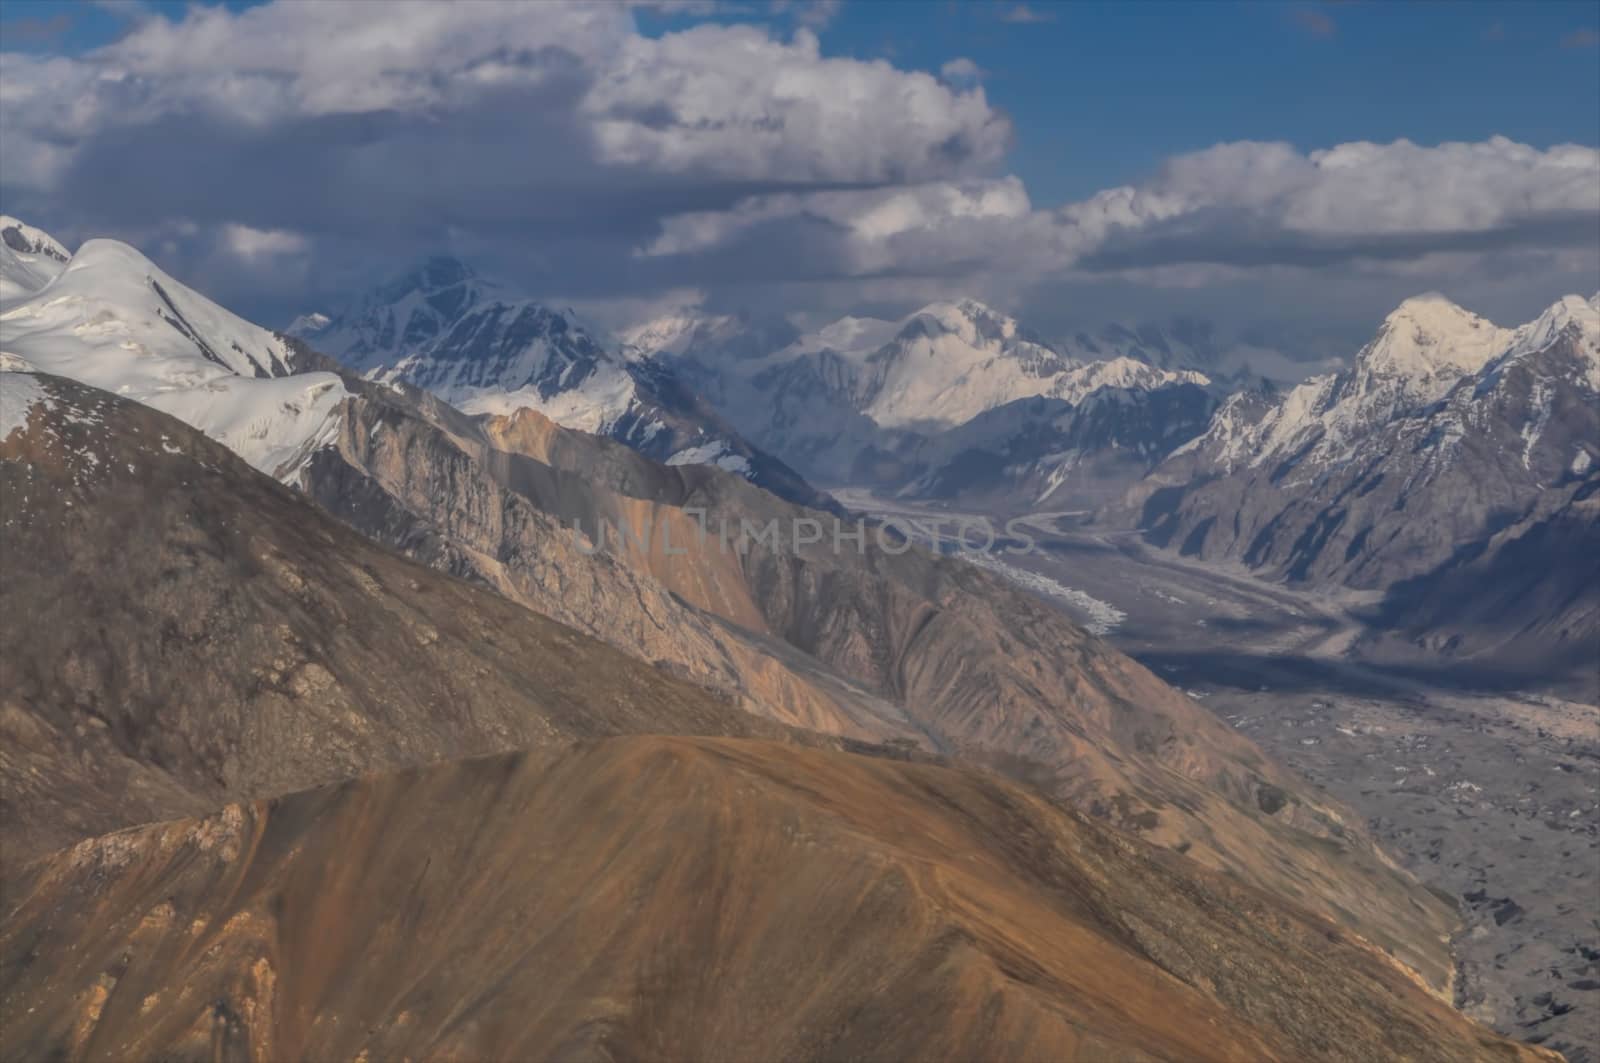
point(1100, 618)
point(713, 453)
point(19, 393)
point(1534, 428)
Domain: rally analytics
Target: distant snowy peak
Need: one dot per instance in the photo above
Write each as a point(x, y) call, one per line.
point(24, 239)
point(1181, 344)
point(1429, 337)
point(978, 326)
point(1573, 313)
point(851, 334)
point(396, 319)
point(1421, 353)
point(953, 361)
point(114, 320)
point(829, 395)
point(937, 367)
point(1124, 373)
point(442, 328)
point(30, 258)
point(672, 333)
point(692, 334)
point(307, 326)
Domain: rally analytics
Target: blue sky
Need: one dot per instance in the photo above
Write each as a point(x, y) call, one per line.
point(1132, 160)
point(1101, 93)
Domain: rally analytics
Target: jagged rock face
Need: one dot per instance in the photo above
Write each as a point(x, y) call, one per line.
point(1347, 482)
point(910, 646)
point(181, 631)
point(682, 899)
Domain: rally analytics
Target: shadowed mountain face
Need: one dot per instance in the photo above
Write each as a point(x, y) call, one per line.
point(1526, 596)
point(180, 631)
point(870, 644)
point(681, 898)
point(1043, 452)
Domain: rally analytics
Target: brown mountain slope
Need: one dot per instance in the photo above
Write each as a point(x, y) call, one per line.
point(418, 475)
point(179, 631)
point(674, 898)
point(944, 651)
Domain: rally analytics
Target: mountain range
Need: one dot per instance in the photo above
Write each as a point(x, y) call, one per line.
point(336, 724)
point(244, 644)
point(1441, 456)
point(896, 404)
point(446, 330)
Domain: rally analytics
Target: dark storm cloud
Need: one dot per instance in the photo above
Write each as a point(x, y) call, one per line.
point(1239, 238)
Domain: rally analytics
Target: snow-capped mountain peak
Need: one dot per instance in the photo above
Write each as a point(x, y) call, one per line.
point(434, 274)
point(308, 325)
point(113, 319)
point(444, 329)
point(1571, 315)
point(689, 332)
point(976, 324)
point(1570, 312)
point(1428, 335)
point(1423, 350)
point(669, 333)
point(851, 333)
point(858, 385)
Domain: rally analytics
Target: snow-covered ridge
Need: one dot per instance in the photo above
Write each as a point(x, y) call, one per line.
point(951, 362)
point(20, 392)
point(443, 328)
point(1574, 313)
point(933, 369)
point(114, 320)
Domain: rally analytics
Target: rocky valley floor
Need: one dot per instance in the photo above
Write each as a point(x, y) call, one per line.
point(1486, 788)
point(1491, 798)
